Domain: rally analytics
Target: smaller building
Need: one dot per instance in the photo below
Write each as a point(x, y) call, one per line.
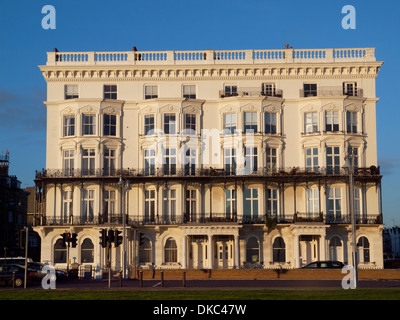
point(33, 237)
point(391, 243)
point(13, 208)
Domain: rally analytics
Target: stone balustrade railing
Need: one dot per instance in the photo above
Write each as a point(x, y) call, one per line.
point(203, 57)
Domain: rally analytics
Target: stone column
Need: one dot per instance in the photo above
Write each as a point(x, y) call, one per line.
point(296, 252)
point(237, 250)
point(210, 252)
point(184, 252)
point(323, 247)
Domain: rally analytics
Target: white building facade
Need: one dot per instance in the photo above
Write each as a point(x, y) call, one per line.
point(234, 159)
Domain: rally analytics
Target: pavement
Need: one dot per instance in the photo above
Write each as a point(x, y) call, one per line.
point(213, 284)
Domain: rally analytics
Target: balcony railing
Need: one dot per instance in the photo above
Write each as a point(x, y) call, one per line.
point(251, 92)
point(207, 218)
point(210, 57)
point(330, 91)
point(204, 172)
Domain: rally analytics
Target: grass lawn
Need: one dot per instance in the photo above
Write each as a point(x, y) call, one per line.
point(359, 294)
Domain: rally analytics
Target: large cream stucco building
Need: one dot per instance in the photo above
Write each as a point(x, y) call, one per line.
point(234, 159)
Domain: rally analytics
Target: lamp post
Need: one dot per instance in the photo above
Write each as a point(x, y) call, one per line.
point(125, 186)
point(350, 167)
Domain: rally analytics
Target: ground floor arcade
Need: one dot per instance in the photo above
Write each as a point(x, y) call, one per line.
point(224, 246)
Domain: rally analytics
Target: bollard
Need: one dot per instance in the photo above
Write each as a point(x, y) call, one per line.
point(162, 278)
point(13, 279)
point(141, 278)
point(184, 279)
point(120, 279)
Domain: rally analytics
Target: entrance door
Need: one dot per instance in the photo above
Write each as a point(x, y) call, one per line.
point(309, 249)
point(198, 253)
point(222, 254)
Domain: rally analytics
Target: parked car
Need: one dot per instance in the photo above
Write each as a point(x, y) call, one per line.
point(38, 266)
point(324, 265)
point(7, 274)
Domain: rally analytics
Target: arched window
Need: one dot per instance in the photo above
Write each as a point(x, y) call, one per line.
point(279, 250)
point(335, 249)
point(87, 251)
point(60, 252)
point(170, 251)
point(145, 251)
point(363, 250)
point(252, 250)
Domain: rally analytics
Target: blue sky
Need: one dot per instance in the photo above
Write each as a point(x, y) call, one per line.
point(187, 25)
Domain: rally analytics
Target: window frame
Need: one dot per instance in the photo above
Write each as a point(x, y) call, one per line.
point(109, 126)
point(312, 159)
point(109, 161)
point(352, 122)
point(74, 94)
point(169, 202)
point(253, 200)
point(69, 128)
point(334, 206)
point(251, 158)
point(88, 161)
point(231, 126)
point(148, 127)
point(332, 160)
point(88, 203)
point(332, 121)
point(168, 124)
point(68, 162)
point(230, 165)
point(271, 159)
point(270, 125)
point(109, 205)
point(272, 202)
point(170, 251)
point(350, 89)
point(150, 196)
point(150, 91)
point(312, 121)
point(250, 123)
point(149, 162)
point(88, 128)
point(230, 90)
point(110, 91)
point(279, 250)
point(310, 89)
point(230, 203)
point(190, 91)
point(169, 165)
point(252, 250)
point(313, 201)
point(268, 89)
point(191, 124)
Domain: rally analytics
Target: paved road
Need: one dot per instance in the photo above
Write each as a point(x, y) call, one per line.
point(277, 284)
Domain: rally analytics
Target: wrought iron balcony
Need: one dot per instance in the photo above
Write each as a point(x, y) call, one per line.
point(206, 218)
point(204, 172)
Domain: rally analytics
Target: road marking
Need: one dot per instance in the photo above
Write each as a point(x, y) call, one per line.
point(157, 284)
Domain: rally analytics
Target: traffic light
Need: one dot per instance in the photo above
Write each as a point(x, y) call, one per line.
point(70, 238)
point(103, 238)
point(110, 236)
point(141, 239)
point(73, 240)
point(20, 238)
point(117, 238)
